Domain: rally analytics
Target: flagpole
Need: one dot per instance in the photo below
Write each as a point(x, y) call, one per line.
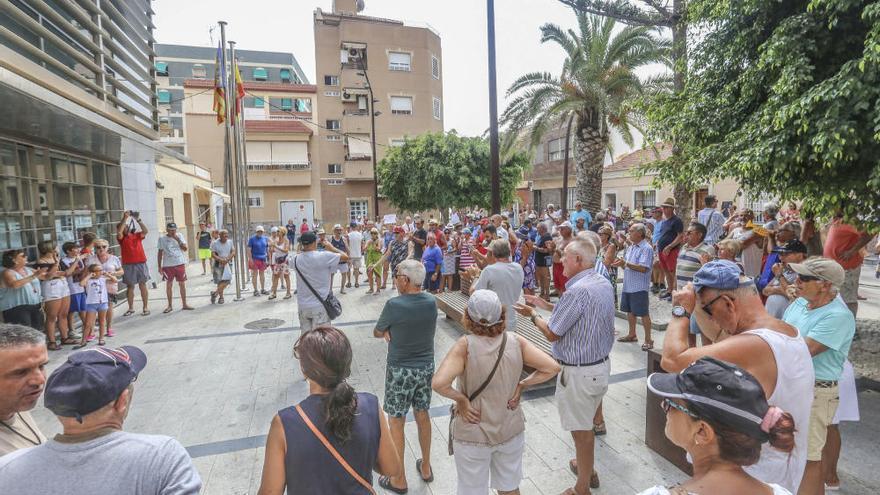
point(238, 166)
point(229, 175)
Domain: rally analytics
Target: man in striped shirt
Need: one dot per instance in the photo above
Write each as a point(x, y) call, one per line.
point(712, 219)
point(581, 329)
point(690, 260)
point(637, 263)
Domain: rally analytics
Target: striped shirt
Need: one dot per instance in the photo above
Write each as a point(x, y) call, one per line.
point(601, 269)
point(689, 261)
point(714, 223)
point(467, 259)
point(641, 254)
point(584, 319)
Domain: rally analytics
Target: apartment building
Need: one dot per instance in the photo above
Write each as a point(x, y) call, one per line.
point(78, 137)
point(403, 64)
point(277, 109)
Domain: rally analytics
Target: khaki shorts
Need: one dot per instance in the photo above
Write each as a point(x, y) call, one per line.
point(825, 402)
point(579, 391)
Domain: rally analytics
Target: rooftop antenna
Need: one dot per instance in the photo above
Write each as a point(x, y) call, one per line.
point(211, 33)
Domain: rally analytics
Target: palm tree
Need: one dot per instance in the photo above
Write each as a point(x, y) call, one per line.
point(596, 92)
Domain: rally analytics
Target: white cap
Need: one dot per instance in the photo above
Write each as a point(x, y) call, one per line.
point(260, 228)
point(273, 230)
point(565, 224)
point(484, 307)
point(337, 226)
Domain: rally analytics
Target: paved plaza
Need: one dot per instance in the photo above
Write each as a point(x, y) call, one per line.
point(217, 375)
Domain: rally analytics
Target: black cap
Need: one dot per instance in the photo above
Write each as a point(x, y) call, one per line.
point(171, 225)
point(718, 391)
point(307, 238)
point(792, 246)
point(91, 379)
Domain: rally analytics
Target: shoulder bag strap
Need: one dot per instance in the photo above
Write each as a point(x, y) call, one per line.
point(485, 384)
point(304, 279)
point(335, 453)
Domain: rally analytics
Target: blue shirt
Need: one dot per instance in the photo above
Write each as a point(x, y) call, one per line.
point(658, 225)
point(259, 246)
point(714, 223)
point(767, 274)
point(669, 230)
point(431, 258)
point(584, 319)
point(638, 254)
point(575, 215)
point(832, 325)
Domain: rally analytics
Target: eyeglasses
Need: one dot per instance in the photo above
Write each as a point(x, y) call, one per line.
point(708, 306)
point(667, 404)
point(808, 278)
point(100, 247)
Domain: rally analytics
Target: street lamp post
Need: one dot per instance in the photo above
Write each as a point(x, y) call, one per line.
point(494, 164)
point(373, 144)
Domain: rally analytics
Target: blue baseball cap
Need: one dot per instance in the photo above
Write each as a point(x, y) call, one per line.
point(91, 379)
point(719, 274)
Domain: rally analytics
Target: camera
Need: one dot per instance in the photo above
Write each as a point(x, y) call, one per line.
point(134, 214)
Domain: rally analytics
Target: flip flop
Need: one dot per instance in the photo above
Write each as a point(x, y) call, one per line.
point(69, 341)
point(53, 346)
point(188, 308)
point(600, 429)
point(128, 313)
point(101, 342)
point(647, 346)
point(385, 482)
point(419, 470)
point(288, 296)
point(145, 312)
point(79, 346)
point(594, 478)
point(168, 310)
point(629, 338)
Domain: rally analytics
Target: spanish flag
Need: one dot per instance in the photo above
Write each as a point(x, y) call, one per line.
point(239, 90)
point(220, 85)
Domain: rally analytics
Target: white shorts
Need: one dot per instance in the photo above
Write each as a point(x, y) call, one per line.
point(310, 318)
point(498, 466)
point(848, 410)
point(54, 289)
point(356, 262)
point(342, 268)
point(579, 391)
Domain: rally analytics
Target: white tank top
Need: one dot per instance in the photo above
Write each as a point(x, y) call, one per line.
point(794, 394)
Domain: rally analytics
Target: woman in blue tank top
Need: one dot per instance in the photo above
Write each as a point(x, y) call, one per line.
point(352, 423)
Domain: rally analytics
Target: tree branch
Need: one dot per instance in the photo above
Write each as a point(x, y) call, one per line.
point(623, 11)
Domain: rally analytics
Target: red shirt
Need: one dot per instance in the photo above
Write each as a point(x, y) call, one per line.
point(441, 239)
point(303, 228)
point(132, 248)
point(842, 237)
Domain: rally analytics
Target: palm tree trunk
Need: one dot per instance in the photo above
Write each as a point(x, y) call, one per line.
point(590, 149)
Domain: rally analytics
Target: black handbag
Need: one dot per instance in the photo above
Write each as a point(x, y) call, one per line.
point(331, 305)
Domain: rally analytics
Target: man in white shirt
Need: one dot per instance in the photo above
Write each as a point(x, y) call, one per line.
point(503, 277)
point(500, 231)
point(313, 270)
point(355, 252)
point(172, 264)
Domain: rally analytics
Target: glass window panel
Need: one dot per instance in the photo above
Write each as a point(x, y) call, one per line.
point(26, 191)
point(7, 158)
point(43, 196)
point(103, 231)
point(100, 198)
point(60, 169)
point(61, 197)
point(64, 229)
point(80, 171)
point(115, 197)
point(28, 237)
point(45, 235)
point(114, 175)
point(39, 164)
point(44, 219)
point(99, 176)
point(24, 165)
point(82, 197)
point(10, 202)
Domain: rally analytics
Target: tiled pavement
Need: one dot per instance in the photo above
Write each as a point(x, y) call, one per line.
point(215, 385)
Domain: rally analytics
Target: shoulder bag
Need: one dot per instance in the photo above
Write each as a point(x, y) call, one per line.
point(330, 303)
point(479, 389)
point(335, 453)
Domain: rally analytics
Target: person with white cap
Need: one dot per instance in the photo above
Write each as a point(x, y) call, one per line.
point(828, 327)
point(90, 395)
point(718, 413)
point(487, 430)
point(258, 253)
point(770, 349)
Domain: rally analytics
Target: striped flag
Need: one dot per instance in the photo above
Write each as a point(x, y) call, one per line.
point(220, 85)
point(239, 90)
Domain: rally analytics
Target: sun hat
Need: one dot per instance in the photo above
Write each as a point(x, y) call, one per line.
point(260, 228)
point(484, 307)
point(823, 268)
point(669, 203)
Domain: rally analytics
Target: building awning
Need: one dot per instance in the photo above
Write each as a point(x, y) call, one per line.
point(214, 192)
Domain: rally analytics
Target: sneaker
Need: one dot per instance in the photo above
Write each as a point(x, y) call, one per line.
point(655, 289)
point(110, 332)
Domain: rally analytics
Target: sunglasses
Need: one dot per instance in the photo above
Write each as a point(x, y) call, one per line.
point(708, 306)
point(808, 278)
point(101, 247)
point(667, 404)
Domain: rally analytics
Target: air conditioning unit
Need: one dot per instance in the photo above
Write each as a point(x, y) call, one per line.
point(349, 97)
point(354, 53)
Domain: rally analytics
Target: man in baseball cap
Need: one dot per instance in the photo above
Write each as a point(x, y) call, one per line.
point(768, 348)
point(828, 327)
point(90, 395)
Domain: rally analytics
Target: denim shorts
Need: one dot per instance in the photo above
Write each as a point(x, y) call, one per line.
point(95, 308)
point(635, 303)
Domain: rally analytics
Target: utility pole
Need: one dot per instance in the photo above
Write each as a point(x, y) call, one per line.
point(373, 144)
point(494, 165)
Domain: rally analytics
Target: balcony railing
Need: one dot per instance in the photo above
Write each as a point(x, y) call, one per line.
point(357, 157)
point(264, 166)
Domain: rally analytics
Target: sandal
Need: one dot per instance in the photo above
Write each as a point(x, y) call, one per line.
point(69, 341)
point(385, 482)
point(629, 338)
point(168, 309)
point(594, 478)
point(288, 296)
point(419, 469)
point(647, 346)
point(187, 308)
point(221, 301)
point(145, 312)
point(600, 429)
point(101, 342)
point(80, 345)
point(53, 346)
point(273, 296)
point(128, 313)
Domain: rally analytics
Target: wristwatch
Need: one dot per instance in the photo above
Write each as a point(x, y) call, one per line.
point(680, 312)
point(533, 317)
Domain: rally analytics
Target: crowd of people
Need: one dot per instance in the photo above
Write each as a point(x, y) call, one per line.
point(762, 320)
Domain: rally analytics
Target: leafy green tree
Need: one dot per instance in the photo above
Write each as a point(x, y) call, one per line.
point(437, 170)
point(596, 88)
point(784, 98)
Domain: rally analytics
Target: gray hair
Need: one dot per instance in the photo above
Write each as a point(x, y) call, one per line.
point(413, 270)
point(590, 236)
point(641, 228)
point(601, 217)
point(583, 248)
point(500, 248)
point(771, 208)
point(793, 226)
point(12, 336)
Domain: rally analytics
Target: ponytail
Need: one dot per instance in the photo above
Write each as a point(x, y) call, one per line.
point(782, 433)
point(340, 406)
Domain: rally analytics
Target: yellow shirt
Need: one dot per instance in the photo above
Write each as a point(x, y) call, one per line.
point(16, 433)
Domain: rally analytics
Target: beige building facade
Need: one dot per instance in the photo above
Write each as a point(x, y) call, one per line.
point(403, 64)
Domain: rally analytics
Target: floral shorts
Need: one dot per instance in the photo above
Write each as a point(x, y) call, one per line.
point(407, 387)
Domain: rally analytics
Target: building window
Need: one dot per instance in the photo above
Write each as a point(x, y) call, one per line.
point(199, 72)
point(255, 198)
point(401, 105)
point(437, 108)
point(260, 74)
point(285, 75)
point(435, 67)
point(164, 96)
point(644, 199)
point(357, 209)
point(259, 102)
point(611, 200)
point(333, 124)
point(399, 61)
point(331, 80)
point(335, 182)
point(331, 93)
point(287, 104)
point(397, 142)
point(334, 168)
point(334, 137)
point(161, 69)
point(556, 149)
point(169, 210)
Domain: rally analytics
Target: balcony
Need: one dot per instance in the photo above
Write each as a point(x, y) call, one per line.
point(357, 157)
point(358, 170)
point(279, 173)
